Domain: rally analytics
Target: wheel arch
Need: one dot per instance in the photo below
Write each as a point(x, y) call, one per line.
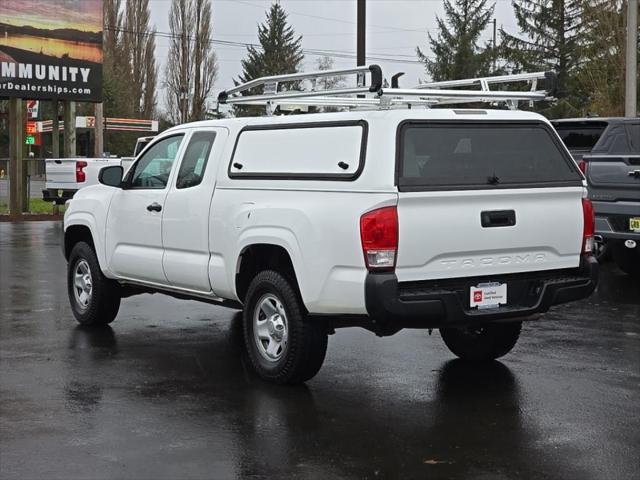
point(74, 234)
point(82, 227)
point(257, 257)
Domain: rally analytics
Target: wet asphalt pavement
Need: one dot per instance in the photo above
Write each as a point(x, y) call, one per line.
point(165, 393)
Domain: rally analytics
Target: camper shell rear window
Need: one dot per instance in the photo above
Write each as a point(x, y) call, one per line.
point(300, 151)
point(465, 155)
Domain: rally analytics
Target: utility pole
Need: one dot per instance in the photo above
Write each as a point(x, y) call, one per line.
point(362, 22)
point(631, 81)
point(361, 57)
point(495, 52)
point(55, 131)
point(98, 146)
point(16, 139)
point(69, 114)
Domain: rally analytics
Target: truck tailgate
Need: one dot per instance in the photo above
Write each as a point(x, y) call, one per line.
point(442, 235)
point(61, 173)
point(614, 177)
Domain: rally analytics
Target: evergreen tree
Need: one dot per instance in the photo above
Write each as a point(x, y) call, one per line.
point(550, 39)
point(456, 50)
point(280, 52)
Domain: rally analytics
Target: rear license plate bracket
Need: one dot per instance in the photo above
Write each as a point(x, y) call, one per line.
point(488, 295)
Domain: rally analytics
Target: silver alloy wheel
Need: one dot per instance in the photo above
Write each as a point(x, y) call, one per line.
point(82, 284)
point(270, 327)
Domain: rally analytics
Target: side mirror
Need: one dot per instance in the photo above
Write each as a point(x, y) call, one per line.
point(111, 176)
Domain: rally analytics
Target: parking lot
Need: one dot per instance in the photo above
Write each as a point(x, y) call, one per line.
point(164, 392)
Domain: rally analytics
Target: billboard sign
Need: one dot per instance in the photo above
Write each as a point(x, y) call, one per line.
point(51, 49)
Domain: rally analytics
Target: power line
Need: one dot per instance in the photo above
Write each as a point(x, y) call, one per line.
point(338, 34)
point(332, 19)
point(385, 57)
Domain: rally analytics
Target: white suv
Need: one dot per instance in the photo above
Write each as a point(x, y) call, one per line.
point(468, 221)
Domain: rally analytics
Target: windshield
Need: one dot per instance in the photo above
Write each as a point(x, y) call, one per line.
point(481, 155)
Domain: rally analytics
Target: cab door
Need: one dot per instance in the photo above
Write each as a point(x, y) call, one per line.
point(134, 224)
point(185, 221)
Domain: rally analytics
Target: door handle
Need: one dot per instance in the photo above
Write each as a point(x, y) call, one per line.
point(498, 218)
point(154, 207)
point(634, 173)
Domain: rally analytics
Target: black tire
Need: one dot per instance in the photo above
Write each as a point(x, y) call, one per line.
point(482, 343)
point(302, 356)
point(103, 302)
point(627, 259)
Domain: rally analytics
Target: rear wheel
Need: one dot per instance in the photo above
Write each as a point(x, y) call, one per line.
point(283, 345)
point(481, 343)
point(94, 299)
point(627, 259)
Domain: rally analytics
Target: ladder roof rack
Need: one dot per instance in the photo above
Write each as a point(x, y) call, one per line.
point(375, 95)
point(486, 81)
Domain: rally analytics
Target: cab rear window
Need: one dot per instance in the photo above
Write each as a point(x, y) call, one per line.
point(481, 155)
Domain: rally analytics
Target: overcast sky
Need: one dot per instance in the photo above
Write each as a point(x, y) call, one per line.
point(394, 29)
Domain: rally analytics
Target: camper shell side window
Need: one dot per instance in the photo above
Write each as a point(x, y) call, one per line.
point(302, 151)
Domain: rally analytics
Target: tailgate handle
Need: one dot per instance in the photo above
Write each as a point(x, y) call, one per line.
point(498, 218)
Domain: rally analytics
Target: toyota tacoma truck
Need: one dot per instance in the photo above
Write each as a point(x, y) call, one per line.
point(608, 153)
point(466, 221)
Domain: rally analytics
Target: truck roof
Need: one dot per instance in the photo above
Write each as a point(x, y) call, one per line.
point(394, 116)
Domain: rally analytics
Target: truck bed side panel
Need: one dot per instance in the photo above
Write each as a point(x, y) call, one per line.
point(319, 230)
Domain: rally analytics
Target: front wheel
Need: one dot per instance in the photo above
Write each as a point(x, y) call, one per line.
point(483, 342)
point(283, 344)
point(94, 299)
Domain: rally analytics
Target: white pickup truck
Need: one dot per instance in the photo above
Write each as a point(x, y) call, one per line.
point(65, 176)
point(467, 221)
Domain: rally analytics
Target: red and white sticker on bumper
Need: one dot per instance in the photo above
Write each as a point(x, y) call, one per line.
point(488, 295)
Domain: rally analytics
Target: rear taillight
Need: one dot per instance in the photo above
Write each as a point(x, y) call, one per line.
point(583, 165)
point(379, 235)
point(80, 175)
point(589, 226)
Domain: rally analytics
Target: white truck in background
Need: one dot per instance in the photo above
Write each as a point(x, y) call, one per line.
point(65, 176)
